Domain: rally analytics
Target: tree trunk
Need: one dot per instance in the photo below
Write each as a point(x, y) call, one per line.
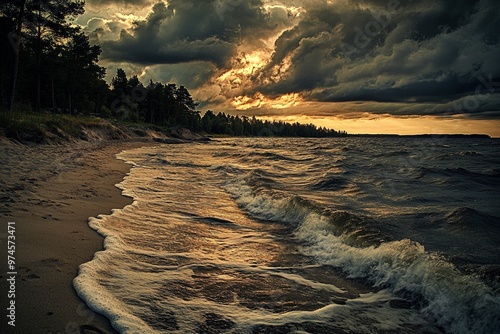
point(38, 68)
point(152, 112)
point(54, 106)
point(17, 51)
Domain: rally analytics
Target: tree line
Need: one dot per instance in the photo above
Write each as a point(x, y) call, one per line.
point(46, 61)
point(47, 64)
point(172, 105)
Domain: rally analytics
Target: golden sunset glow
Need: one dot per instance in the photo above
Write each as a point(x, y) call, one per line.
point(261, 101)
point(332, 61)
point(239, 76)
point(398, 125)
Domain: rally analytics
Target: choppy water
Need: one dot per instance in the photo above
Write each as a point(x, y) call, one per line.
point(350, 235)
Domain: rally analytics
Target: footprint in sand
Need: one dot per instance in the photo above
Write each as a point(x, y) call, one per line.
point(25, 275)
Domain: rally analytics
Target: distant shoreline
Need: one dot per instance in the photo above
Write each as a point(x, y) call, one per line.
point(60, 129)
point(483, 136)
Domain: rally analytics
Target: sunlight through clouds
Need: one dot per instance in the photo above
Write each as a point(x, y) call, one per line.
point(260, 101)
point(243, 67)
point(268, 57)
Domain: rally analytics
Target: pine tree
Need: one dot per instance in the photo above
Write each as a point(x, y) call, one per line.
point(47, 22)
point(36, 28)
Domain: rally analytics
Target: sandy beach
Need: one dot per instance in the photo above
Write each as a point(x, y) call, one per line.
point(50, 192)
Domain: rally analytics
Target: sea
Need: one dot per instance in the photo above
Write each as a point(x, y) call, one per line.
point(282, 235)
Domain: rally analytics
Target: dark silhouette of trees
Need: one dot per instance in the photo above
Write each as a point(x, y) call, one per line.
point(231, 125)
point(11, 18)
point(85, 87)
point(45, 23)
point(38, 43)
point(157, 103)
point(119, 84)
point(48, 65)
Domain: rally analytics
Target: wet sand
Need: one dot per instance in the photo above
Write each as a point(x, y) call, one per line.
point(50, 192)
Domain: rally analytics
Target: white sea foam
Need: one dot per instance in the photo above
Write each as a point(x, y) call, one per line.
point(100, 299)
point(459, 302)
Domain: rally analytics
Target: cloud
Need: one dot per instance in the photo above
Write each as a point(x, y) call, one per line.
point(389, 51)
point(186, 31)
point(398, 57)
point(193, 74)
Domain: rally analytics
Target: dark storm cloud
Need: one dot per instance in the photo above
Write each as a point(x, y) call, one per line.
point(185, 31)
point(167, 37)
point(438, 57)
point(391, 51)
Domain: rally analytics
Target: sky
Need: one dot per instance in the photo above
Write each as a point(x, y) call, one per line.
point(363, 66)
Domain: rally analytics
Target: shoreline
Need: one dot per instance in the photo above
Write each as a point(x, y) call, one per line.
point(61, 188)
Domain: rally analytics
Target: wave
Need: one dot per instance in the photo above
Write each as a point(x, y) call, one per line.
point(393, 154)
point(454, 155)
point(278, 157)
point(322, 147)
point(464, 172)
point(90, 284)
point(261, 179)
point(330, 181)
point(472, 226)
point(164, 162)
point(447, 175)
point(467, 218)
point(227, 169)
point(468, 153)
point(460, 303)
point(258, 195)
point(495, 172)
